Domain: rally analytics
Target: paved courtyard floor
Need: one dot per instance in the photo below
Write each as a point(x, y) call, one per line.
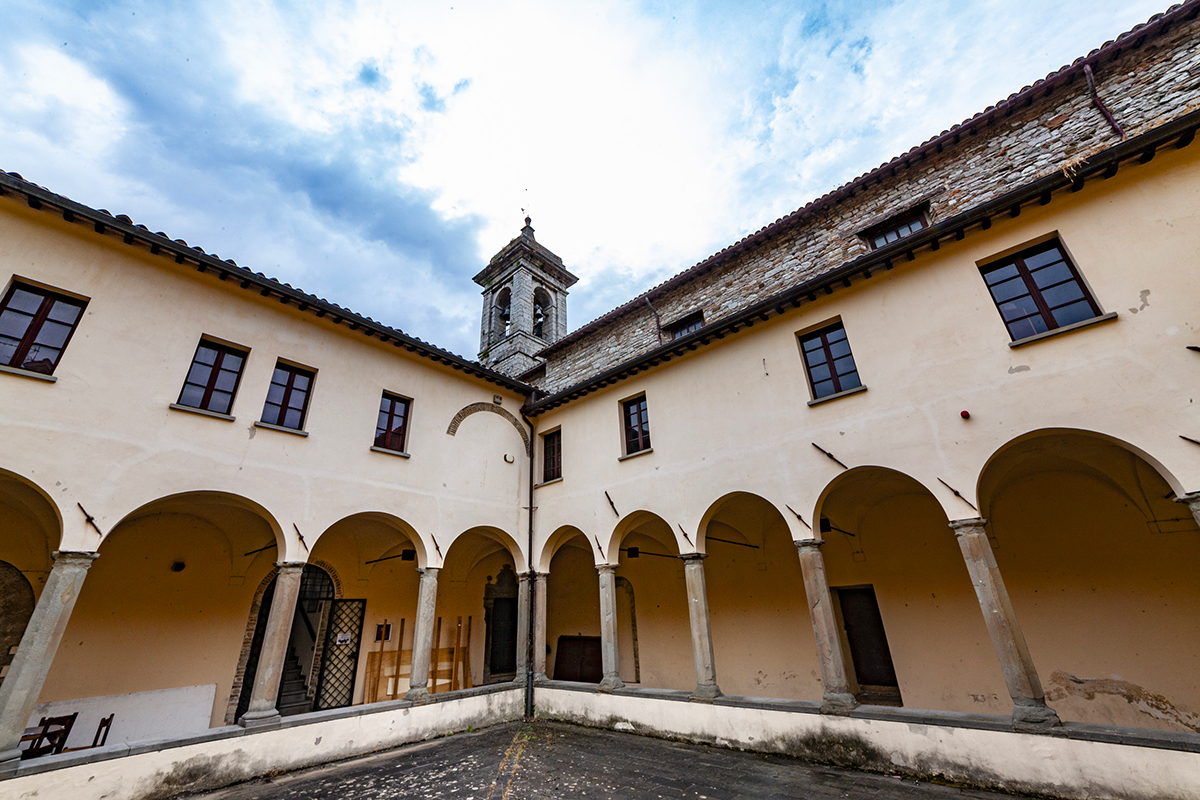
point(549, 761)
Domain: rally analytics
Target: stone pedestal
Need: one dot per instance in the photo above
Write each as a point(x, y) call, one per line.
point(702, 646)
point(1030, 712)
point(838, 698)
point(539, 627)
point(21, 687)
point(265, 692)
point(608, 629)
point(418, 683)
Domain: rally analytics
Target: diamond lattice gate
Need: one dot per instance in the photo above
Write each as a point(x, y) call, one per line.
point(339, 661)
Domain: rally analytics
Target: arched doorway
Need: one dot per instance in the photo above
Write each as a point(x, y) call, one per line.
point(29, 532)
point(1100, 565)
point(317, 673)
point(910, 623)
point(762, 633)
point(573, 608)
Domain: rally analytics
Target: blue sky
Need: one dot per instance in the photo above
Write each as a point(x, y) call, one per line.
point(377, 154)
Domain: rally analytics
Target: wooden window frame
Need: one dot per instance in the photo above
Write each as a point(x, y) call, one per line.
point(821, 334)
point(293, 372)
point(552, 455)
point(1044, 310)
point(39, 318)
point(637, 433)
point(895, 223)
point(388, 433)
point(686, 324)
point(215, 371)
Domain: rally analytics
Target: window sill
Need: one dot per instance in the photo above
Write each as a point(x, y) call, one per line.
point(260, 424)
point(635, 455)
point(28, 373)
point(204, 412)
point(1037, 337)
point(547, 483)
point(386, 451)
point(837, 395)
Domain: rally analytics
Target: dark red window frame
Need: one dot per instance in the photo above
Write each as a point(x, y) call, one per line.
point(391, 429)
point(287, 397)
point(552, 455)
point(36, 322)
point(1039, 290)
point(215, 381)
point(829, 361)
point(637, 425)
point(895, 229)
point(684, 326)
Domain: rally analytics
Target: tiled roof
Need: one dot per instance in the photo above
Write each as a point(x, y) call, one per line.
point(104, 222)
point(1152, 27)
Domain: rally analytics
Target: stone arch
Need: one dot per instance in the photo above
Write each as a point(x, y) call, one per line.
point(544, 322)
point(475, 408)
point(561, 536)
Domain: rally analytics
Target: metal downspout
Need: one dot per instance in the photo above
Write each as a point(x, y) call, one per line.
point(532, 579)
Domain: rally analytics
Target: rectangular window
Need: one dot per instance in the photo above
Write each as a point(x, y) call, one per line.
point(829, 362)
point(637, 425)
point(391, 431)
point(692, 322)
point(552, 456)
point(213, 379)
point(35, 326)
point(895, 229)
point(1038, 290)
point(287, 397)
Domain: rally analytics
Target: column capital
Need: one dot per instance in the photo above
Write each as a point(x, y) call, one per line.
point(79, 557)
point(606, 569)
point(290, 566)
point(431, 570)
point(801, 544)
point(962, 527)
point(1191, 499)
point(693, 556)
point(523, 577)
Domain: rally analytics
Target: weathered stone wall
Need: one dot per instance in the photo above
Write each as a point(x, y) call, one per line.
point(1143, 87)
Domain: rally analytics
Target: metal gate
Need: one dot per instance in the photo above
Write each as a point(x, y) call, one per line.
point(339, 661)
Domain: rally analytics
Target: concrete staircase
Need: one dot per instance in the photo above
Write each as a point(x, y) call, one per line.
point(293, 693)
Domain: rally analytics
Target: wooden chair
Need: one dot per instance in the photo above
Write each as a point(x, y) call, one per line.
point(52, 737)
point(101, 735)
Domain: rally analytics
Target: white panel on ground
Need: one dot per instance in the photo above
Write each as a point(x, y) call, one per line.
point(139, 717)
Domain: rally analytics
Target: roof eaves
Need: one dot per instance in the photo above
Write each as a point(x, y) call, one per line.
point(38, 197)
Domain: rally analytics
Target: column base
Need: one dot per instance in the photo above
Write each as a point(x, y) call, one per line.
point(261, 719)
point(1036, 718)
point(419, 696)
point(539, 677)
point(9, 761)
point(705, 693)
point(838, 703)
point(609, 684)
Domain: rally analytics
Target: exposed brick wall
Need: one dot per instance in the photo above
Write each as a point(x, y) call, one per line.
point(1143, 87)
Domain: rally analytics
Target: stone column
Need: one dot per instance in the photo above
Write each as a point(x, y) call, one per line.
point(1030, 712)
point(523, 584)
point(271, 658)
point(838, 698)
point(21, 687)
point(539, 626)
point(702, 647)
point(418, 682)
point(608, 628)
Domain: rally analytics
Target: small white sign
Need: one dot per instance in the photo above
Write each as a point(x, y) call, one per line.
point(343, 638)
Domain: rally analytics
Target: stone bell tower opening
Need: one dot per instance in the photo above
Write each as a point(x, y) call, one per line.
point(524, 304)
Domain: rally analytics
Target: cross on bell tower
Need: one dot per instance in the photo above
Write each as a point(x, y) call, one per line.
point(524, 304)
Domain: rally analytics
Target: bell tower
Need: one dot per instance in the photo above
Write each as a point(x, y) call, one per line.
point(524, 304)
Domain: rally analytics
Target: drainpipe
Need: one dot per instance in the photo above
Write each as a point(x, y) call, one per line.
point(532, 576)
point(657, 320)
